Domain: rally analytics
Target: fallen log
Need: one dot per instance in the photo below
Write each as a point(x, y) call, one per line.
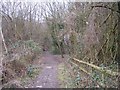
point(104, 71)
point(101, 85)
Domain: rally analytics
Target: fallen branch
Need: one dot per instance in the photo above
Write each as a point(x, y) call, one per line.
point(98, 68)
point(88, 74)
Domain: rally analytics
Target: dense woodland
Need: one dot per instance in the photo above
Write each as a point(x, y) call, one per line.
point(86, 35)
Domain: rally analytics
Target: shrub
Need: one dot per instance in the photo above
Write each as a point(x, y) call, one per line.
point(33, 46)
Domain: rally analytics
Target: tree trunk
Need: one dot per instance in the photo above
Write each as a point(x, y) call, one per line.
point(118, 54)
point(3, 40)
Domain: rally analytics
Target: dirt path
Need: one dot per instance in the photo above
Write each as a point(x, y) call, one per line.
point(48, 76)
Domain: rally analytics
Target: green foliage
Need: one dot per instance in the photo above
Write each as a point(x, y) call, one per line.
point(16, 44)
point(55, 50)
point(31, 43)
point(33, 46)
point(32, 71)
point(61, 26)
point(80, 23)
point(78, 77)
point(31, 74)
point(95, 76)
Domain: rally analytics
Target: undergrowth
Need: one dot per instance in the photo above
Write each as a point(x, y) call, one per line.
point(64, 77)
point(32, 73)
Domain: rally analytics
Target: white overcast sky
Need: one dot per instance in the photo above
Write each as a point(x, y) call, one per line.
point(37, 0)
point(63, 0)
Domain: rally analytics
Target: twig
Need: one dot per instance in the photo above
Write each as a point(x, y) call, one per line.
point(105, 19)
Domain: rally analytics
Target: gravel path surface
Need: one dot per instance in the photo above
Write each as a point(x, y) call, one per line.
point(48, 76)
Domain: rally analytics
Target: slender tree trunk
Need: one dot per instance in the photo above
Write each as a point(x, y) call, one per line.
point(118, 55)
point(3, 40)
point(0, 48)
